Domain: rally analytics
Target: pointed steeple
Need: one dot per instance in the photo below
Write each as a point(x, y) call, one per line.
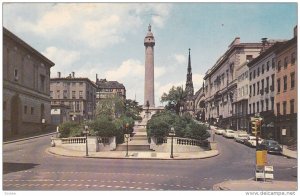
point(189, 87)
point(189, 62)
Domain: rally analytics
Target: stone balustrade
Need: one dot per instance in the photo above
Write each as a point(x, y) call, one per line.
point(73, 140)
point(95, 144)
point(179, 144)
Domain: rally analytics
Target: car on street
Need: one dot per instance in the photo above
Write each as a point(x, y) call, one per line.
point(240, 137)
point(251, 141)
point(219, 131)
point(228, 133)
point(271, 146)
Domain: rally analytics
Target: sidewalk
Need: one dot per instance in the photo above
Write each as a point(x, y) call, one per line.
point(151, 155)
point(252, 185)
point(289, 153)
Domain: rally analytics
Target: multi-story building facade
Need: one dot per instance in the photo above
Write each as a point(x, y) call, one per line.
point(107, 89)
point(261, 89)
point(241, 109)
point(26, 81)
point(77, 93)
point(221, 83)
point(286, 91)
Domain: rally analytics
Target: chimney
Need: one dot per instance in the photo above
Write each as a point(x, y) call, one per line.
point(73, 74)
point(58, 74)
point(264, 42)
point(96, 77)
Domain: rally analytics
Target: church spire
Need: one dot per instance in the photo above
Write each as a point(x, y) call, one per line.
point(189, 87)
point(189, 62)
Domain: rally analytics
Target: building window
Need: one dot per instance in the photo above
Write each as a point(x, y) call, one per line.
point(80, 83)
point(278, 85)
point(73, 94)
point(263, 69)
point(51, 94)
point(292, 80)
point(268, 65)
point(253, 106)
point(258, 88)
point(285, 62)
point(292, 103)
point(258, 71)
point(253, 89)
point(65, 94)
point(267, 104)
point(250, 90)
point(249, 108)
point(293, 58)
point(250, 77)
point(254, 74)
point(262, 86)
point(32, 110)
point(262, 105)
point(278, 109)
point(284, 83)
point(80, 95)
point(272, 86)
point(284, 108)
point(42, 80)
point(257, 106)
point(58, 94)
point(279, 66)
point(267, 85)
point(272, 103)
point(25, 109)
point(16, 76)
point(249, 58)
point(273, 63)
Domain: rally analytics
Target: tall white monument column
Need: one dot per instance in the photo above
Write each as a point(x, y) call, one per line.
point(149, 43)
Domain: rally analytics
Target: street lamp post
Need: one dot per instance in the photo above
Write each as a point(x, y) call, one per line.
point(172, 133)
point(127, 138)
point(86, 141)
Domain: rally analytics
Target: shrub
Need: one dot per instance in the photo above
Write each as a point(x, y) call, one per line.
point(70, 129)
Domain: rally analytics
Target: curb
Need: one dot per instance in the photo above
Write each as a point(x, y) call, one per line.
point(141, 158)
point(28, 138)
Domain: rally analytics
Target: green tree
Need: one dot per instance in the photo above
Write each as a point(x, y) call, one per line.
point(111, 107)
point(70, 129)
point(174, 99)
point(132, 109)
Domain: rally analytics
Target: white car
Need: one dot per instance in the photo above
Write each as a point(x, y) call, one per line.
point(241, 137)
point(219, 131)
point(251, 141)
point(229, 133)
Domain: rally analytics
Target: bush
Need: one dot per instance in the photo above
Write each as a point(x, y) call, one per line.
point(160, 124)
point(104, 127)
point(70, 129)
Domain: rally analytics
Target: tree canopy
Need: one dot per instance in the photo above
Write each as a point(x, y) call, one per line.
point(175, 98)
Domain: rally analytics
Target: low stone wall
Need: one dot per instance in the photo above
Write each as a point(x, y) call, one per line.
point(79, 143)
point(179, 145)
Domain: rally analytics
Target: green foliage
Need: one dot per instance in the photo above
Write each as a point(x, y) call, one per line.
point(174, 99)
point(110, 107)
point(70, 129)
point(160, 124)
point(104, 127)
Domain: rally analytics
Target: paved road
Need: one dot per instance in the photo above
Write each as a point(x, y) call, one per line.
point(28, 167)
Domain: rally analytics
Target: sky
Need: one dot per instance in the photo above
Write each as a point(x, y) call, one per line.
point(108, 38)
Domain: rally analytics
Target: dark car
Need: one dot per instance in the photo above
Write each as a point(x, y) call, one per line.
point(271, 146)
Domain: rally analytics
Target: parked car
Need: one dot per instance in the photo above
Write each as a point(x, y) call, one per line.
point(228, 133)
point(240, 137)
point(251, 141)
point(271, 146)
point(219, 131)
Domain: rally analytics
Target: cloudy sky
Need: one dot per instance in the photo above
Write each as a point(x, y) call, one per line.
point(107, 39)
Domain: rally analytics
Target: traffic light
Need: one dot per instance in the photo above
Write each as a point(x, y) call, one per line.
point(255, 126)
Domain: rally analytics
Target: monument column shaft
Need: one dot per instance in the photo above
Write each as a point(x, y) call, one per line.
point(149, 75)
